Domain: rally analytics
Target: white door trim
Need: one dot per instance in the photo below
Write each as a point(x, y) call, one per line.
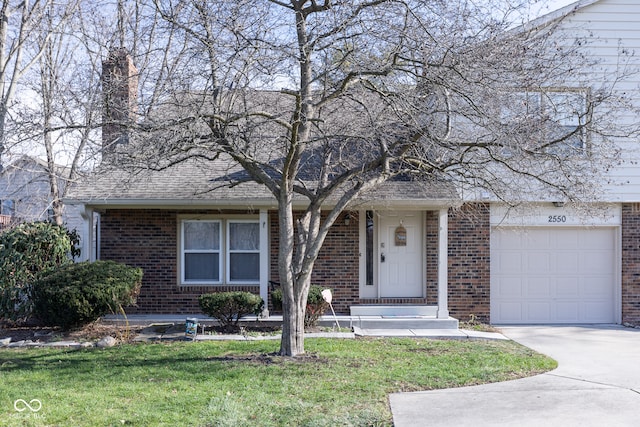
point(376, 290)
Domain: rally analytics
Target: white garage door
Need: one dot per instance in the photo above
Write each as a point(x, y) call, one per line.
point(553, 275)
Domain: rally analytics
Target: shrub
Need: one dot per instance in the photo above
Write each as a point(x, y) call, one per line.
point(316, 305)
point(77, 294)
point(26, 251)
point(229, 307)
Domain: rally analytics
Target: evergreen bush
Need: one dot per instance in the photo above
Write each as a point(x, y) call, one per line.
point(316, 305)
point(229, 307)
point(27, 251)
point(78, 294)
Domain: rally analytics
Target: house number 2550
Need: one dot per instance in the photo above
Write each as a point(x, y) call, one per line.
point(557, 218)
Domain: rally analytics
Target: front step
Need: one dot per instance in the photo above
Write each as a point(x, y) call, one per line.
point(399, 317)
point(378, 322)
point(394, 310)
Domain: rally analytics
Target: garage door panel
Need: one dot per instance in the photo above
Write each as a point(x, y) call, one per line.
point(510, 263)
point(509, 241)
point(597, 312)
point(510, 311)
point(536, 243)
point(596, 287)
point(594, 262)
point(566, 263)
point(553, 275)
point(538, 287)
point(538, 311)
point(567, 240)
point(568, 287)
point(537, 261)
point(510, 287)
point(597, 237)
point(567, 311)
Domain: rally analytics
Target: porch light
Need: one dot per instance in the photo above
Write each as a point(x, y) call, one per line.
point(558, 204)
point(347, 219)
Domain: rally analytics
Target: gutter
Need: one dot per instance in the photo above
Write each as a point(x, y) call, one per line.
point(405, 204)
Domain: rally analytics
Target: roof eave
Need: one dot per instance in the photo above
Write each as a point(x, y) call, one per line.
point(404, 204)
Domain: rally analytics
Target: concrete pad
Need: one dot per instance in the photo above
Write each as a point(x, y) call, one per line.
point(597, 383)
point(536, 401)
point(599, 353)
point(429, 333)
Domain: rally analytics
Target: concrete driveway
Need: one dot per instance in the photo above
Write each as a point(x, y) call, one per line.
point(597, 383)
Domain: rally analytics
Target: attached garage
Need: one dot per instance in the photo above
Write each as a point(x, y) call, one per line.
point(554, 274)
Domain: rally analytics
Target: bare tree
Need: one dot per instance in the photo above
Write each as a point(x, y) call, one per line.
point(18, 22)
point(54, 65)
point(372, 91)
point(63, 116)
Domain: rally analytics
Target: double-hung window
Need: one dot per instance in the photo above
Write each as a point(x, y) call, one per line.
point(243, 261)
point(220, 251)
point(568, 112)
point(557, 117)
point(201, 252)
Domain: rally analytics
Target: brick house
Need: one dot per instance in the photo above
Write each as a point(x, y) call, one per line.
point(412, 245)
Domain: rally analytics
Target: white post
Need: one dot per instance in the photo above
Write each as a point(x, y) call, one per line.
point(443, 264)
point(87, 244)
point(264, 260)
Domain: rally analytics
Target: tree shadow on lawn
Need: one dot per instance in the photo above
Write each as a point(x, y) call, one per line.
point(188, 359)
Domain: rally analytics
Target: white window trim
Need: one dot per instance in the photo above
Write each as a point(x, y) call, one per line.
point(184, 251)
point(228, 251)
point(544, 99)
point(224, 258)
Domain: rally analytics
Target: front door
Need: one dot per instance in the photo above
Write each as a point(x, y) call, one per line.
point(400, 257)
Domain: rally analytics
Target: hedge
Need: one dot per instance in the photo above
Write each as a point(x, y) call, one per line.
point(81, 293)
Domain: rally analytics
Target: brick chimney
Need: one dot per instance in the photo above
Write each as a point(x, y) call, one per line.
point(120, 94)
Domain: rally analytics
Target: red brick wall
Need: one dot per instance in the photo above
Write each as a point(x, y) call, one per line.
point(631, 264)
point(432, 228)
point(148, 239)
point(337, 266)
point(469, 262)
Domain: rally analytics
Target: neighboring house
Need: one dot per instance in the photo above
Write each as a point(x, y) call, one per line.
point(549, 264)
point(25, 194)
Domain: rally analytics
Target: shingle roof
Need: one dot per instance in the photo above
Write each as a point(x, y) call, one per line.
point(200, 182)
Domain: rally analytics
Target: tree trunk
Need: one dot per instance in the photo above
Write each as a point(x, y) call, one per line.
point(295, 285)
point(292, 343)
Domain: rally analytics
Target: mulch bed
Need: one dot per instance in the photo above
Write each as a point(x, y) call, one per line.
point(97, 330)
point(91, 332)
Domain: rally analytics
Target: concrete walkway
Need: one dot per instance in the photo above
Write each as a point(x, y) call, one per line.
point(597, 383)
point(453, 334)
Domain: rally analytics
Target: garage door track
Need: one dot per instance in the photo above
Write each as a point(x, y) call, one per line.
point(597, 383)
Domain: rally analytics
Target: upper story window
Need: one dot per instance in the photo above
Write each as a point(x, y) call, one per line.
point(217, 251)
point(559, 118)
point(567, 113)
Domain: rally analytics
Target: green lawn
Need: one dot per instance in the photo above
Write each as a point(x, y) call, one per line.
point(339, 383)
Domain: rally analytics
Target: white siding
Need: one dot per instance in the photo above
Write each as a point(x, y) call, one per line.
point(26, 182)
point(611, 26)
